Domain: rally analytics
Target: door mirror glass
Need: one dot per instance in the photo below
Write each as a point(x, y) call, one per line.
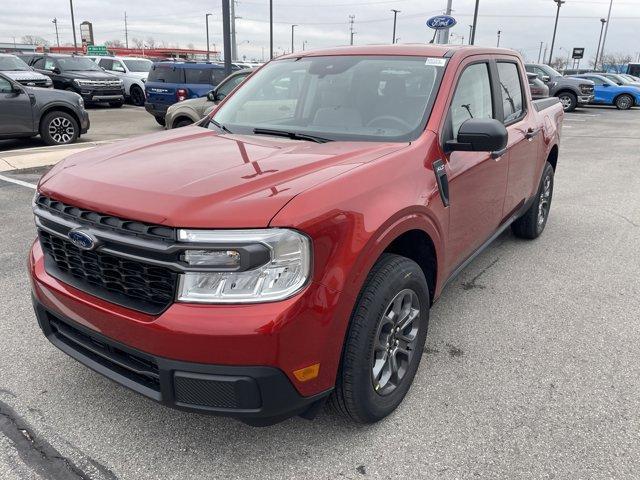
point(480, 135)
point(211, 96)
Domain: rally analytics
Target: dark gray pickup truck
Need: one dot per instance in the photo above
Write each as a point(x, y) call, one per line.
point(57, 116)
point(572, 92)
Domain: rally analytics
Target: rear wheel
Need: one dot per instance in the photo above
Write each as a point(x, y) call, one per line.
point(137, 96)
point(624, 102)
point(160, 120)
point(532, 223)
point(568, 100)
point(59, 128)
point(384, 344)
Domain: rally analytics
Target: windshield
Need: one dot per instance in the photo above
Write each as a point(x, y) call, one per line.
point(365, 98)
point(550, 71)
point(13, 63)
point(138, 65)
point(72, 64)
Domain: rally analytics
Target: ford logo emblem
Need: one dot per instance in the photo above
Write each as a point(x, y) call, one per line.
point(82, 239)
point(440, 22)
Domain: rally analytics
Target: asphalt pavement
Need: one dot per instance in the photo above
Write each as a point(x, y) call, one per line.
point(531, 368)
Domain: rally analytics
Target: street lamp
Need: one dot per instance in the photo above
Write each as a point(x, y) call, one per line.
point(395, 15)
point(602, 21)
point(206, 20)
point(73, 27)
point(498, 44)
point(555, 28)
point(470, 33)
point(304, 45)
point(270, 29)
point(475, 24)
point(292, 30)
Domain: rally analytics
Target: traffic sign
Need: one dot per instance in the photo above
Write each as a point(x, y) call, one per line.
point(578, 53)
point(99, 50)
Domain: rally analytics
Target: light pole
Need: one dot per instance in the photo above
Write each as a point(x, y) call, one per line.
point(73, 27)
point(55, 22)
point(475, 24)
point(604, 38)
point(555, 28)
point(292, 30)
point(304, 45)
point(271, 29)
point(602, 21)
point(206, 20)
point(226, 36)
point(395, 15)
point(540, 52)
point(498, 44)
point(470, 33)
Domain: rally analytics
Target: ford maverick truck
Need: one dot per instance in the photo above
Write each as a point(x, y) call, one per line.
point(285, 251)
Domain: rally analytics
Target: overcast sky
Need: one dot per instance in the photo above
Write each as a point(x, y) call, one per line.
point(524, 23)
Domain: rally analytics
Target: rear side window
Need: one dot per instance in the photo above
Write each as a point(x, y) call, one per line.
point(5, 86)
point(198, 75)
point(473, 97)
point(511, 89)
point(217, 75)
point(166, 74)
point(106, 63)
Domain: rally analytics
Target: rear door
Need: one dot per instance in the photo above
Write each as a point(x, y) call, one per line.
point(16, 112)
point(163, 82)
point(199, 80)
point(477, 181)
point(524, 136)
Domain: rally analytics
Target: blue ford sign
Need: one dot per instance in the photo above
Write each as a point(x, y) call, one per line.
point(82, 239)
point(440, 22)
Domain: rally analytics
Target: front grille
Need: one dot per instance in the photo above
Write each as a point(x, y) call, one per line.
point(586, 89)
point(143, 371)
point(33, 83)
point(133, 284)
point(87, 217)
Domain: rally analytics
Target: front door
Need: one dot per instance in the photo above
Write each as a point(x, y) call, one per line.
point(477, 181)
point(16, 117)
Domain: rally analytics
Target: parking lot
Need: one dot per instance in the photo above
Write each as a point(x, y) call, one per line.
point(530, 369)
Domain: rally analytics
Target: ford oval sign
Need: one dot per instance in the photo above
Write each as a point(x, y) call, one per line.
point(82, 239)
point(440, 22)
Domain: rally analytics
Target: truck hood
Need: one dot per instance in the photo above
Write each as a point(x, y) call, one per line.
point(24, 75)
point(194, 177)
point(572, 81)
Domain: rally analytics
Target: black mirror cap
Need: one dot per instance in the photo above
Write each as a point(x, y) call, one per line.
point(211, 95)
point(480, 135)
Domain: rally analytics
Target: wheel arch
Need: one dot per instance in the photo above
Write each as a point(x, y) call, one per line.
point(566, 90)
point(552, 158)
point(181, 116)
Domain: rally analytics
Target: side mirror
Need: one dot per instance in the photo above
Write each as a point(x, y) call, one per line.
point(211, 95)
point(545, 78)
point(480, 135)
point(56, 70)
point(605, 85)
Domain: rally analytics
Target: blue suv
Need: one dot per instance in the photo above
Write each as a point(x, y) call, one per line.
point(170, 82)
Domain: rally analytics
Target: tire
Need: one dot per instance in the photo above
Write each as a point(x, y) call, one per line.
point(624, 102)
point(532, 223)
point(116, 104)
point(160, 120)
point(59, 128)
point(568, 100)
point(182, 123)
point(137, 96)
point(372, 334)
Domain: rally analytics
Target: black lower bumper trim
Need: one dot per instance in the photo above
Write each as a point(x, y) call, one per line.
point(254, 394)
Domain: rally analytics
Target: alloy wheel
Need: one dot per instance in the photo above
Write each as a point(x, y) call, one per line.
point(566, 102)
point(545, 201)
point(61, 130)
point(394, 343)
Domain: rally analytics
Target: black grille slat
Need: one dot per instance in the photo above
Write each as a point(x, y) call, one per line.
point(120, 225)
point(148, 287)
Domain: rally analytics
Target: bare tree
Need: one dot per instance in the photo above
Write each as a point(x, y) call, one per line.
point(190, 46)
point(34, 40)
point(114, 43)
point(559, 63)
point(616, 61)
point(137, 42)
point(151, 42)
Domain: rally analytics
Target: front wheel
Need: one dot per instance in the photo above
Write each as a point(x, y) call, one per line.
point(532, 223)
point(624, 102)
point(59, 128)
point(385, 340)
point(569, 101)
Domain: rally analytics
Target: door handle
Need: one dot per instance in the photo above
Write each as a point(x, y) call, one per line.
point(531, 133)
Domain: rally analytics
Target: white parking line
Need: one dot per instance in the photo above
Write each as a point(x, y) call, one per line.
point(583, 114)
point(18, 182)
point(569, 119)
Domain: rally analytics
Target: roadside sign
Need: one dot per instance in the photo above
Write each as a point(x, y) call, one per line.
point(99, 50)
point(441, 22)
point(578, 53)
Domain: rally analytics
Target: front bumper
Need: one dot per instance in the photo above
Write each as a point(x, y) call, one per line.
point(260, 344)
point(585, 99)
point(101, 96)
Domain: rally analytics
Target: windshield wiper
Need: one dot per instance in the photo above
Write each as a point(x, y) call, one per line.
point(291, 135)
point(220, 126)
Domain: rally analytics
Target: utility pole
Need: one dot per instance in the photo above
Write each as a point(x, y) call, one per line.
point(351, 32)
point(126, 31)
point(55, 22)
point(226, 37)
point(602, 21)
point(498, 44)
point(73, 27)
point(444, 34)
point(604, 38)
point(395, 15)
point(234, 45)
point(475, 24)
point(304, 45)
point(555, 29)
point(470, 33)
point(206, 19)
point(292, 29)
point(271, 29)
point(540, 52)
point(544, 55)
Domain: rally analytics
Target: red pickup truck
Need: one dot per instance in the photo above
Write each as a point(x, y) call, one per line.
point(286, 250)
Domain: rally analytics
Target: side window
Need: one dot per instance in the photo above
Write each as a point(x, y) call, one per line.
point(118, 67)
point(217, 75)
point(49, 64)
point(541, 73)
point(39, 63)
point(106, 63)
point(511, 88)
point(473, 97)
point(596, 80)
point(226, 88)
point(5, 86)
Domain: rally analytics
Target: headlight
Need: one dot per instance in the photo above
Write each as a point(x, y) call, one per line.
point(48, 82)
point(244, 266)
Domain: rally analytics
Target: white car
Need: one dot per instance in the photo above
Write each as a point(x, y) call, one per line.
point(132, 70)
